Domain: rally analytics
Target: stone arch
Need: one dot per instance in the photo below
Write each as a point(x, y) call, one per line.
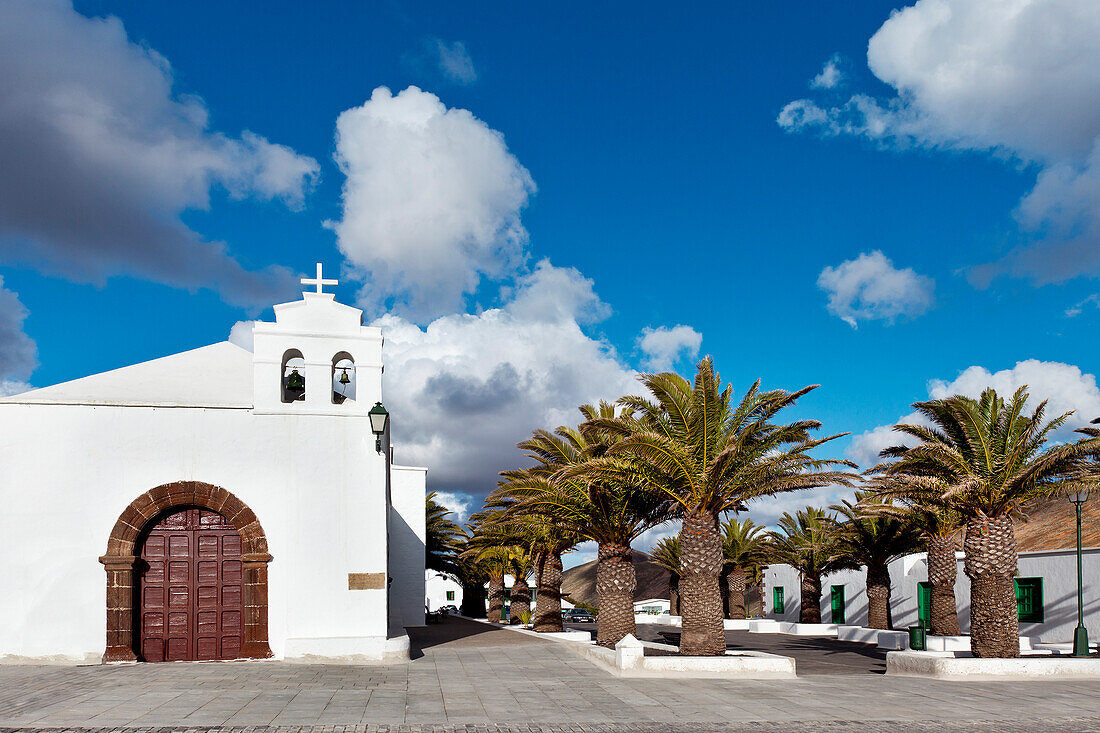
point(119, 563)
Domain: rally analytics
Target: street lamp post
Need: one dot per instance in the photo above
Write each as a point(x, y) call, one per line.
point(1080, 634)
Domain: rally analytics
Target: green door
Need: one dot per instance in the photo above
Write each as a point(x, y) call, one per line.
point(838, 604)
point(924, 605)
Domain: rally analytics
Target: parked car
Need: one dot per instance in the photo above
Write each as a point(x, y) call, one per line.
point(577, 616)
point(449, 609)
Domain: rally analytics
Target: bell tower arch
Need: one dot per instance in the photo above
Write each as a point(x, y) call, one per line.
point(315, 329)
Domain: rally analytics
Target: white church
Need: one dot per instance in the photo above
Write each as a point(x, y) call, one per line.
point(214, 504)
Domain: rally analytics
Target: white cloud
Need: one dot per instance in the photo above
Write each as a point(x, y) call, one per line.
point(1075, 310)
point(1013, 77)
point(99, 157)
point(767, 511)
point(18, 352)
point(465, 389)
point(830, 75)
point(432, 203)
point(664, 346)
point(10, 387)
point(459, 504)
point(455, 62)
point(871, 288)
point(241, 334)
point(1064, 386)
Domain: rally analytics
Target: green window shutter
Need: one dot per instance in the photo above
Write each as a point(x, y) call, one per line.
point(924, 605)
point(777, 600)
point(837, 598)
point(450, 595)
point(1029, 599)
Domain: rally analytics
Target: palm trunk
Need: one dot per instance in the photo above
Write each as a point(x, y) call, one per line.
point(548, 604)
point(942, 569)
point(810, 602)
point(701, 560)
point(615, 584)
point(521, 600)
point(737, 591)
point(674, 594)
point(990, 548)
point(724, 591)
point(496, 598)
point(755, 600)
point(473, 599)
point(878, 596)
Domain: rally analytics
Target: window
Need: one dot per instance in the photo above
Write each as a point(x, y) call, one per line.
point(534, 592)
point(924, 605)
point(777, 600)
point(837, 599)
point(1029, 599)
point(450, 595)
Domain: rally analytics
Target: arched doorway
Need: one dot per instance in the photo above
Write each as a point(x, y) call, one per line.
point(139, 520)
point(190, 589)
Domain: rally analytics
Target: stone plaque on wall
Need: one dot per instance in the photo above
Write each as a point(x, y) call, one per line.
point(366, 581)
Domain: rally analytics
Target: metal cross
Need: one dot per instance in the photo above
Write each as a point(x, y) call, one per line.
point(319, 281)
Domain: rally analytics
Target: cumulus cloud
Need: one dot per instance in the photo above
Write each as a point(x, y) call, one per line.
point(664, 346)
point(454, 62)
point(431, 203)
point(241, 334)
point(460, 505)
point(1065, 387)
point(830, 75)
point(1012, 77)
point(466, 388)
point(99, 156)
point(18, 352)
point(871, 288)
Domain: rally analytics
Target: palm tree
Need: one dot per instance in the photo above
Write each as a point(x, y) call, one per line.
point(611, 513)
point(809, 543)
point(744, 545)
point(491, 552)
point(710, 456)
point(755, 588)
point(874, 540)
point(939, 525)
point(987, 458)
point(666, 555)
point(441, 538)
point(522, 563)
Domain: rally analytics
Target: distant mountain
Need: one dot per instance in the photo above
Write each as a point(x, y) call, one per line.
point(579, 583)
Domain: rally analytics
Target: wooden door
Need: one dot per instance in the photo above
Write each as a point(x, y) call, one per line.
point(191, 589)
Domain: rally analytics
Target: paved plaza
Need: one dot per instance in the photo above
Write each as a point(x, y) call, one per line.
point(469, 676)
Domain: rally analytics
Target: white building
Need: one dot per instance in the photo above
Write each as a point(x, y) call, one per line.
point(1046, 589)
point(653, 606)
point(440, 590)
point(212, 505)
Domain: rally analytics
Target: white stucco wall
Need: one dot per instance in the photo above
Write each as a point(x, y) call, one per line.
point(74, 456)
point(1058, 569)
point(436, 587)
point(407, 536)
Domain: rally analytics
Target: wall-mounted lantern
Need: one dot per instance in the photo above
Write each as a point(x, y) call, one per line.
point(378, 419)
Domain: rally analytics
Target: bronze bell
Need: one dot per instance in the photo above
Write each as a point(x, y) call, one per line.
point(344, 379)
point(295, 381)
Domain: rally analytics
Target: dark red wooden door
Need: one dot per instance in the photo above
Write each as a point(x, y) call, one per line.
point(191, 589)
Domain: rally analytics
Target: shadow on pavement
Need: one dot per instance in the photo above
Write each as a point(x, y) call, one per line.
point(460, 632)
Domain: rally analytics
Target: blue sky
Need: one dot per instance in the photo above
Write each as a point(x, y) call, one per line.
point(676, 167)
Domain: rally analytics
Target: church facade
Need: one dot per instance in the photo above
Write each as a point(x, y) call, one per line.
point(219, 503)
